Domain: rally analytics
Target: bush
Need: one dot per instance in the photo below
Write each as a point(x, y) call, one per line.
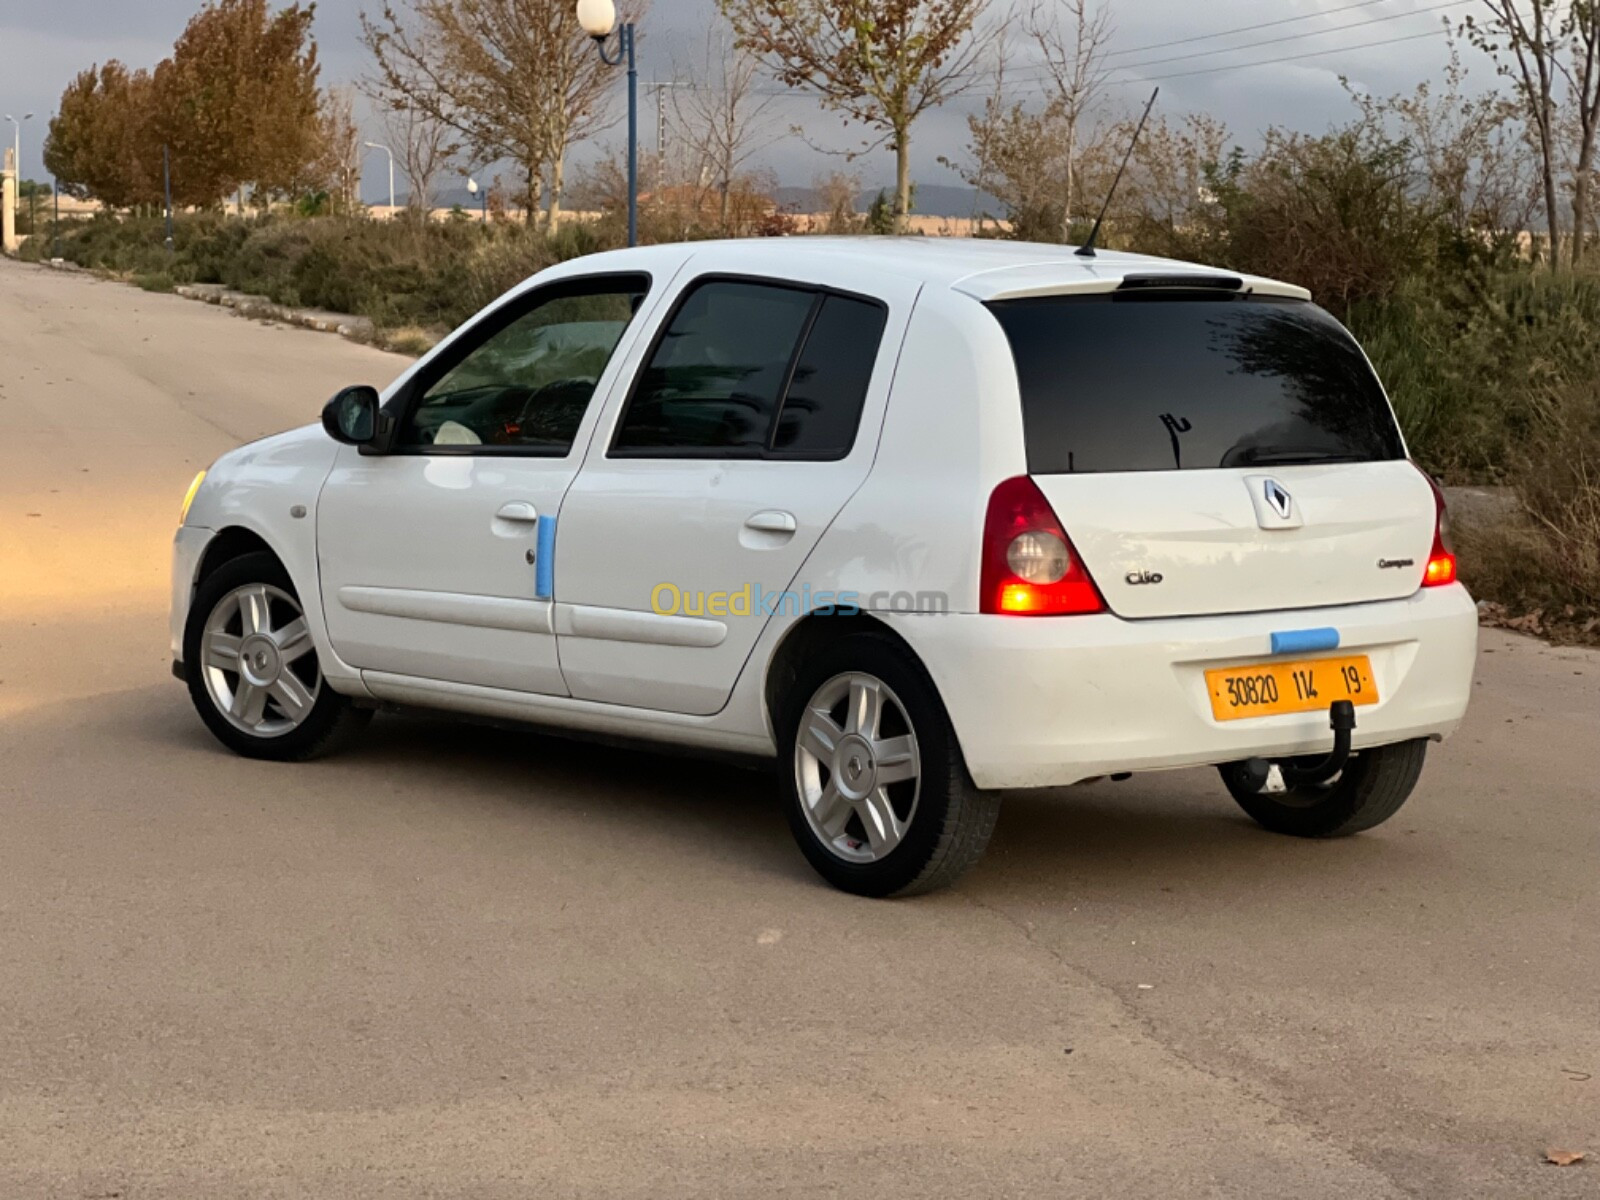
point(396, 274)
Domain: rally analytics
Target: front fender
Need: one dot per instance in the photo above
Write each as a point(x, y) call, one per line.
point(270, 489)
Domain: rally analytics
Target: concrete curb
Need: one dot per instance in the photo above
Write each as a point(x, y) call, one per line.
point(358, 329)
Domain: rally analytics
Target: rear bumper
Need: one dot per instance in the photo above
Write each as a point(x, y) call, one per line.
point(1048, 701)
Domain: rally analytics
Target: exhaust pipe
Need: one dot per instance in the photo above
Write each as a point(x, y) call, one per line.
point(1253, 772)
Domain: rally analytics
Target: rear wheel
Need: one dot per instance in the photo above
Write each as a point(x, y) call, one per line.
point(252, 668)
point(1370, 790)
point(875, 788)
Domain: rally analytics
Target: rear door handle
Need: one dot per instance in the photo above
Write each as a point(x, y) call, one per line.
point(771, 521)
point(518, 510)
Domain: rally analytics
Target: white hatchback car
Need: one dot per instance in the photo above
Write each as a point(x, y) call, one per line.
point(926, 519)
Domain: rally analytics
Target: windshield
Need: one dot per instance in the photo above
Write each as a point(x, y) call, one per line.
point(1161, 383)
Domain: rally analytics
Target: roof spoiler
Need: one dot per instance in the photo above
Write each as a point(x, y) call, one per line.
point(1185, 281)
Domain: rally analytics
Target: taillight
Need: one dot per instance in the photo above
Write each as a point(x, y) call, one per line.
point(1029, 565)
point(1441, 568)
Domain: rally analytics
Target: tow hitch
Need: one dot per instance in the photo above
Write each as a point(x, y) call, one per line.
point(1252, 773)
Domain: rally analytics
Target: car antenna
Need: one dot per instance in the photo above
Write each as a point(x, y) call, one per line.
point(1087, 249)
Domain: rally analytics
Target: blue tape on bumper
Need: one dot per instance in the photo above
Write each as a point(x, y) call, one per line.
point(1302, 641)
point(544, 571)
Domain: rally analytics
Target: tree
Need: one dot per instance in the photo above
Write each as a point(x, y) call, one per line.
point(1546, 47)
point(1071, 37)
point(723, 119)
point(238, 102)
point(1018, 155)
point(339, 168)
point(879, 62)
point(516, 79)
point(423, 148)
point(1472, 160)
point(100, 141)
point(1582, 31)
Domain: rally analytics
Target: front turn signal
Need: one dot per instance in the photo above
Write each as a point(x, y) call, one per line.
point(188, 497)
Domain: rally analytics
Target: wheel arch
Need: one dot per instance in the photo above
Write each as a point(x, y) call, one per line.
point(809, 635)
point(235, 541)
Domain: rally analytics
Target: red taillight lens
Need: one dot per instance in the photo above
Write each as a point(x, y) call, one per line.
point(1029, 565)
point(1441, 568)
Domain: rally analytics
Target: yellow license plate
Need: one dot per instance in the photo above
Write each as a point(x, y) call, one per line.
point(1268, 689)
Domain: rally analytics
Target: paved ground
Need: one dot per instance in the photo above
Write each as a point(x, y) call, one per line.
point(462, 962)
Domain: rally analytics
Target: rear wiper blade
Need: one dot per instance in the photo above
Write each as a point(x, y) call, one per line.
point(1280, 458)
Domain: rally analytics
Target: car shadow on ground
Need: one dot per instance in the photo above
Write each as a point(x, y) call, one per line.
point(1156, 833)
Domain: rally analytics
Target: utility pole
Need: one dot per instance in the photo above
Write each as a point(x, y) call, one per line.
point(661, 86)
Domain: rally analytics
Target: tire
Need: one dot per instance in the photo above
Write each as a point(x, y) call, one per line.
point(944, 820)
point(267, 724)
point(1370, 790)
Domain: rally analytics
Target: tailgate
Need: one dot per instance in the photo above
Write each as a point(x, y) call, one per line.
point(1181, 543)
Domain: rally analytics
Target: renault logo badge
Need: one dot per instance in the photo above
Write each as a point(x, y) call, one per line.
point(1278, 497)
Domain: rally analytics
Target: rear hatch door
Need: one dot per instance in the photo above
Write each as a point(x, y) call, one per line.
point(1217, 452)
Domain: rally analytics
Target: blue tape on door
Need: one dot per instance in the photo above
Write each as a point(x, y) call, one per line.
point(544, 571)
point(1301, 641)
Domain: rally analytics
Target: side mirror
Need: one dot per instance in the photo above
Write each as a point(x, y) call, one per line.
point(351, 416)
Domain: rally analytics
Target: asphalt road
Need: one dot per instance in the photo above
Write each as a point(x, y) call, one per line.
point(464, 962)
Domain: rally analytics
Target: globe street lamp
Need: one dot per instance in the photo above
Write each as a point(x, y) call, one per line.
point(598, 18)
point(472, 190)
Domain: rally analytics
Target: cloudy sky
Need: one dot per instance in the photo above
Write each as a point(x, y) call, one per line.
point(44, 42)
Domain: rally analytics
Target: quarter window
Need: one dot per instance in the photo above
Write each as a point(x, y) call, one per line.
point(747, 370)
point(526, 385)
point(823, 406)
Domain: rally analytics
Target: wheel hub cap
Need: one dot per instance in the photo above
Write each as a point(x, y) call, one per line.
point(259, 661)
point(855, 767)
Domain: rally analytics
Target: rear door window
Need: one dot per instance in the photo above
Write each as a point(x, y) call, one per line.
point(716, 379)
point(1145, 383)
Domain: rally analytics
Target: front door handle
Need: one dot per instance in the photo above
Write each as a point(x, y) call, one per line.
point(771, 521)
point(518, 510)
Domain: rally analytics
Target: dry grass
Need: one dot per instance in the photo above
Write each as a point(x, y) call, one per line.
point(408, 339)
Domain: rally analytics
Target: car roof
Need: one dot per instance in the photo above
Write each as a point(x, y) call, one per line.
point(984, 268)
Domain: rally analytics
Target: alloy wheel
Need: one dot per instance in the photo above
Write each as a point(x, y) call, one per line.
point(259, 663)
point(857, 767)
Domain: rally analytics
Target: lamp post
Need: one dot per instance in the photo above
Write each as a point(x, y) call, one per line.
point(472, 190)
point(17, 125)
point(598, 18)
point(390, 153)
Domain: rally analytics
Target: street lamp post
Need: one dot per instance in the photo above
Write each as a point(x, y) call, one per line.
point(598, 18)
point(17, 125)
point(472, 190)
point(390, 153)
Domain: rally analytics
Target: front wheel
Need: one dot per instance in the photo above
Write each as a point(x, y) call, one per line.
point(1367, 792)
point(875, 788)
point(252, 668)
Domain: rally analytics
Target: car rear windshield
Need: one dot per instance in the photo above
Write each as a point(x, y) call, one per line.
point(1135, 382)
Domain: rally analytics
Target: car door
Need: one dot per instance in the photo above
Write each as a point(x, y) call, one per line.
point(430, 549)
point(752, 416)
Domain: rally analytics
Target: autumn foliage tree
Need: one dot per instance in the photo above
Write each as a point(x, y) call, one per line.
point(879, 62)
point(98, 144)
point(236, 104)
